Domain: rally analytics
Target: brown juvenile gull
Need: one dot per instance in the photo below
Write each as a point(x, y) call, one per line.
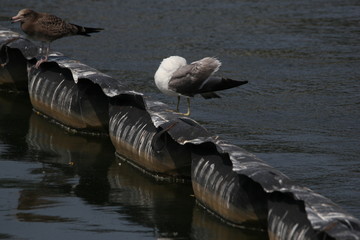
point(175, 77)
point(47, 28)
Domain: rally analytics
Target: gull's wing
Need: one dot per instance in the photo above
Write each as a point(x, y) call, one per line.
point(52, 27)
point(189, 79)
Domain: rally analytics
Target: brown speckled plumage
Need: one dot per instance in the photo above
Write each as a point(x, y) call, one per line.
point(47, 28)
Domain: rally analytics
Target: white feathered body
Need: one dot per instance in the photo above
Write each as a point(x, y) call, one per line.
point(165, 71)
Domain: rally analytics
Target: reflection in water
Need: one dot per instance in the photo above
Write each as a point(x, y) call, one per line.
point(30, 199)
point(166, 207)
point(207, 227)
point(15, 109)
point(66, 168)
point(169, 208)
point(63, 156)
point(87, 156)
point(66, 148)
point(30, 217)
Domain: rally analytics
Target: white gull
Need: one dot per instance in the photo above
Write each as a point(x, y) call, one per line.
point(175, 77)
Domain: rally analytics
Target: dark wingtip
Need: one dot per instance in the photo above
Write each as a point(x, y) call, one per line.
point(234, 83)
point(243, 82)
point(92, 30)
point(85, 31)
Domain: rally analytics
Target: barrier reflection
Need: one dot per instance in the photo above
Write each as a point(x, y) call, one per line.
point(15, 111)
point(87, 156)
point(208, 227)
point(166, 207)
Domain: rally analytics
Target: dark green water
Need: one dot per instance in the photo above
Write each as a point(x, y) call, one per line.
point(300, 113)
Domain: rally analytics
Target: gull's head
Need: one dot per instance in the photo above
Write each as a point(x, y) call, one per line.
point(24, 15)
point(165, 71)
point(173, 63)
point(168, 66)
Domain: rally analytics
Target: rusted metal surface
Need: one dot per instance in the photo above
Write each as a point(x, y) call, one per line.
point(81, 106)
point(228, 194)
point(229, 178)
point(73, 93)
point(136, 138)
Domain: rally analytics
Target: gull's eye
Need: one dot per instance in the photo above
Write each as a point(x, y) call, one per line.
point(26, 14)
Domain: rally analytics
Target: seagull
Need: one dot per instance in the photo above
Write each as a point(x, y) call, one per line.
point(175, 77)
point(47, 28)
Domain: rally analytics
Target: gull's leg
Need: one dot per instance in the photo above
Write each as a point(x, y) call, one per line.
point(46, 55)
point(177, 106)
point(41, 50)
point(188, 111)
point(188, 103)
point(47, 51)
point(178, 103)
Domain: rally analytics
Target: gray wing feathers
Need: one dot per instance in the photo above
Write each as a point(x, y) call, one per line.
point(206, 66)
point(189, 79)
point(182, 72)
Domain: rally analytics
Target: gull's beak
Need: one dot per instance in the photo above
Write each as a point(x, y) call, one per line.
point(15, 19)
